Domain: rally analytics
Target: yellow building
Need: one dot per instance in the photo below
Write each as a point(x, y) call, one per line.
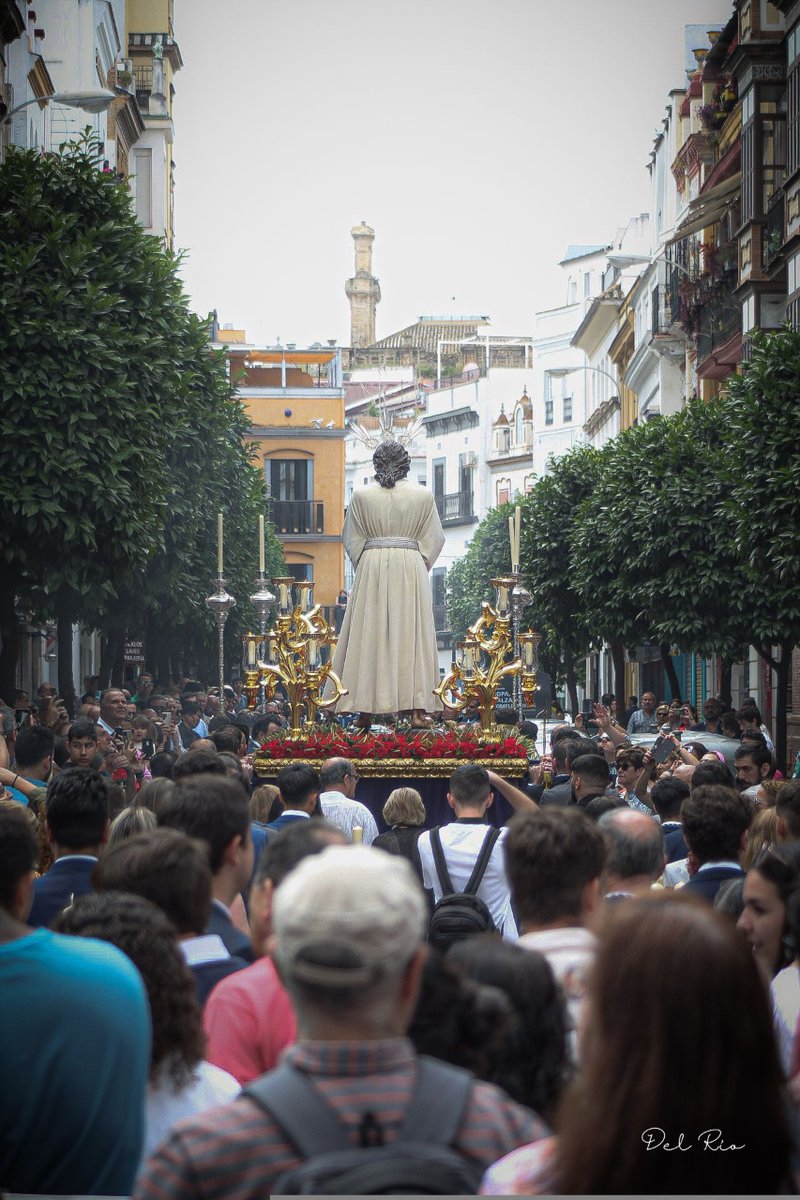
point(295, 400)
point(154, 59)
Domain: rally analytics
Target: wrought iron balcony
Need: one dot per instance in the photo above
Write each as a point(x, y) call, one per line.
point(456, 509)
point(297, 518)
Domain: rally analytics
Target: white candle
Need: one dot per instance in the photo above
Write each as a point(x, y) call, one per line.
point(219, 543)
point(511, 539)
point(251, 652)
point(261, 544)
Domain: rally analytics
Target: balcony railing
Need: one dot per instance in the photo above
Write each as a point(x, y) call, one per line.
point(719, 321)
point(293, 518)
point(456, 509)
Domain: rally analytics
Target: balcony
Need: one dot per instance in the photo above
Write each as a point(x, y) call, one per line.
point(456, 509)
point(297, 518)
point(440, 622)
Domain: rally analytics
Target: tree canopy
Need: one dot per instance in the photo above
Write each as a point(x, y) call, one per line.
point(120, 437)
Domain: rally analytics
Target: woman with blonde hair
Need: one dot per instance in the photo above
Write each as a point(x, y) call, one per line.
point(405, 814)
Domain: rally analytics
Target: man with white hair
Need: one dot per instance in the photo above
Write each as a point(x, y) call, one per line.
point(349, 925)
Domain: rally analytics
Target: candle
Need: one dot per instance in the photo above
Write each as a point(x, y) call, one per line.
point(219, 543)
point(261, 544)
point(517, 526)
point(358, 835)
point(250, 643)
point(312, 653)
point(511, 539)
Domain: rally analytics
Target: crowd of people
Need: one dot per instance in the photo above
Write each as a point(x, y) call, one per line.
point(220, 987)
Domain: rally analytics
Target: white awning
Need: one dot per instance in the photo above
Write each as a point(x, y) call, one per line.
point(708, 208)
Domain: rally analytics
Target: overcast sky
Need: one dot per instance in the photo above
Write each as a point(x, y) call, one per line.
point(477, 137)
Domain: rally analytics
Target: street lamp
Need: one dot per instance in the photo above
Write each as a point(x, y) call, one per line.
point(96, 101)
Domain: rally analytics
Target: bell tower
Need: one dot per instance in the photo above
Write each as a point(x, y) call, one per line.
point(363, 290)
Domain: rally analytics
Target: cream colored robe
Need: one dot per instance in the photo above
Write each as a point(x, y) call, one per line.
point(386, 656)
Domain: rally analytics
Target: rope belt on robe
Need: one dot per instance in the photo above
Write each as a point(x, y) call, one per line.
point(392, 543)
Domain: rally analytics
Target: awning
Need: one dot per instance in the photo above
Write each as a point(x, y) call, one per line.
point(708, 208)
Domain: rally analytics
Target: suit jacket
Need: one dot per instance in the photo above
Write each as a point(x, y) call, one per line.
point(235, 942)
point(68, 876)
point(674, 843)
point(558, 796)
point(187, 735)
point(708, 882)
point(285, 819)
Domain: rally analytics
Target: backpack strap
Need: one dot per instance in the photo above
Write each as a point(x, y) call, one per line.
point(474, 881)
point(440, 863)
point(439, 1102)
point(435, 1111)
point(293, 1102)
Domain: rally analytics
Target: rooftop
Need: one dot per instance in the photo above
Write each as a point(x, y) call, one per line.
point(576, 251)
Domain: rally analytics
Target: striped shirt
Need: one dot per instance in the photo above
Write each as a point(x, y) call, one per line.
point(349, 814)
point(238, 1152)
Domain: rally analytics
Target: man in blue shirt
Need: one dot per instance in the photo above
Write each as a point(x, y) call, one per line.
point(74, 1046)
point(33, 757)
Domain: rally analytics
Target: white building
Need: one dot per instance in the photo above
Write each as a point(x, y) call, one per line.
point(470, 468)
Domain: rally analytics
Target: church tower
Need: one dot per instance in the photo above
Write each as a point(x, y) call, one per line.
point(363, 290)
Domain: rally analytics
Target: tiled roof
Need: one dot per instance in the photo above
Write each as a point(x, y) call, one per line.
point(425, 335)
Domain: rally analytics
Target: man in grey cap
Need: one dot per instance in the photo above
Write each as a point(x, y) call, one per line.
point(349, 926)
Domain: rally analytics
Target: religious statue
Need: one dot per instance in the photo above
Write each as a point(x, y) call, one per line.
point(158, 48)
point(386, 656)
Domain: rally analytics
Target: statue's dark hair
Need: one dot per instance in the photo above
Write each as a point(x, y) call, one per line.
point(391, 462)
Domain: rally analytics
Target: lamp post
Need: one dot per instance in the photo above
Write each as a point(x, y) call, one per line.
point(95, 101)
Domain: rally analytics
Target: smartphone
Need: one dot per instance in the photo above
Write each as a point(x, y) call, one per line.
point(148, 748)
point(662, 748)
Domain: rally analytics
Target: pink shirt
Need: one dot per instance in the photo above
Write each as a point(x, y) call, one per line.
point(249, 1020)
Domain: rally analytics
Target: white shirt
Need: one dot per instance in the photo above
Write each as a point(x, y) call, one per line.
point(208, 1087)
point(209, 947)
point(348, 814)
point(570, 951)
point(461, 844)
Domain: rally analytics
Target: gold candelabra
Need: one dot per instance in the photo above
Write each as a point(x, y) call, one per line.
point(481, 660)
point(292, 654)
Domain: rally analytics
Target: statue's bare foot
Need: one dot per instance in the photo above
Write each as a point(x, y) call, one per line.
point(363, 721)
point(420, 719)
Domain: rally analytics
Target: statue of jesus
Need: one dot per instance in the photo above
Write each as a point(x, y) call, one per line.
point(386, 656)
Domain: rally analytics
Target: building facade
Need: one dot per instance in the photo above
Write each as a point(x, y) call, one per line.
point(295, 401)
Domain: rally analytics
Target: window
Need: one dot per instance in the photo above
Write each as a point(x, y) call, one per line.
point(503, 491)
point(519, 434)
point(291, 478)
point(587, 285)
point(438, 478)
point(748, 314)
point(567, 409)
point(572, 292)
point(793, 274)
point(548, 412)
point(793, 44)
point(300, 571)
point(143, 171)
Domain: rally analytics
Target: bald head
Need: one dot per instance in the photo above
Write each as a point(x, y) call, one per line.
point(337, 775)
point(635, 850)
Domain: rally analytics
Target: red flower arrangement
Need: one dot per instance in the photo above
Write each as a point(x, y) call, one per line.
point(417, 745)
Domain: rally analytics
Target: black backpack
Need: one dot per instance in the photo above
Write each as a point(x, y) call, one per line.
point(459, 915)
point(422, 1161)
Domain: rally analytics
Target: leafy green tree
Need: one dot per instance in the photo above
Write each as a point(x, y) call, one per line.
point(549, 513)
point(119, 440)
point(763, 452)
